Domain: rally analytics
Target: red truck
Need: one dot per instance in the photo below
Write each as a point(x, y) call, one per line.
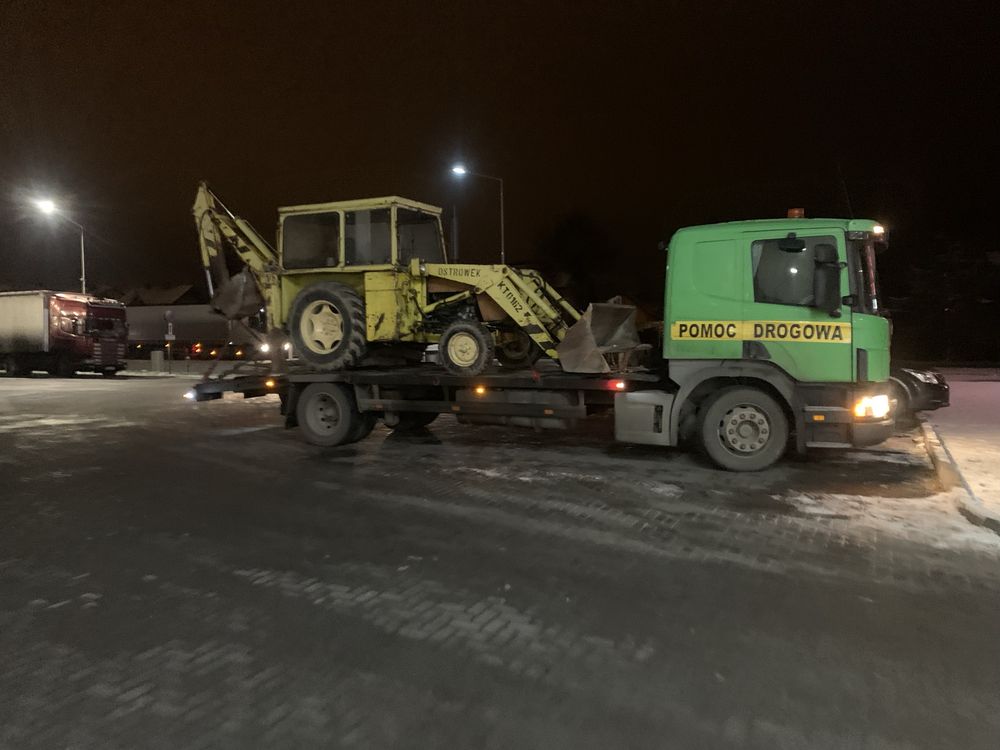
point(61, 333)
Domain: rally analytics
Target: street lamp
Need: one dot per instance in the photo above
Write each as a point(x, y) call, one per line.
point(460, 170)
point(48, 207)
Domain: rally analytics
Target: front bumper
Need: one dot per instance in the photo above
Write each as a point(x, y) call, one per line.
point(872, 433)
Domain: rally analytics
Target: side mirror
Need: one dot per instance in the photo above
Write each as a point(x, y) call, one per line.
point(826, 280)
point(662, 245)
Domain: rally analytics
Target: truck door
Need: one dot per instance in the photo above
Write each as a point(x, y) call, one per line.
point(781, 322)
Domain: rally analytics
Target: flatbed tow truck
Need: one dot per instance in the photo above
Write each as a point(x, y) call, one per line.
point(773, 334)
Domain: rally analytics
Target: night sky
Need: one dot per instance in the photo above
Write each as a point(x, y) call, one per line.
point(629, 119)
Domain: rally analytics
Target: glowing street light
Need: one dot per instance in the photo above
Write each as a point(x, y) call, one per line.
point(48, 207)
point(460, 170)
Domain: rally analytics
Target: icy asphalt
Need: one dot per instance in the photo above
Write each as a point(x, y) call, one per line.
point(192, 575)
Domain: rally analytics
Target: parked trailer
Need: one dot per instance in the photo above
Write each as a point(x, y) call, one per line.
point(61, 332)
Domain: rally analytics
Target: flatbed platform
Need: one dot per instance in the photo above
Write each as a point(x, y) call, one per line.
point(547, 376)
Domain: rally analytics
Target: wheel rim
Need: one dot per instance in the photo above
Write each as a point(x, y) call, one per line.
point(321, 326)
point(463, 349)
point(745, 430)
point(323, 415)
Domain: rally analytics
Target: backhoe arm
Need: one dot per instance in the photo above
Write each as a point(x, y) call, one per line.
point(218, 227)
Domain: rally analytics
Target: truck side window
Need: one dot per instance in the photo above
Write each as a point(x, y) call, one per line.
point(366, 237)
point(781, 277)
point(310, 240)
point(418, 236)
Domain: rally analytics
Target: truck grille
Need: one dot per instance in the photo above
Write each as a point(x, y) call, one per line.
point(108, 352)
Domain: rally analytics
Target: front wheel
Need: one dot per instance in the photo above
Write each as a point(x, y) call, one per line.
point(743, 429)
point(466, 348)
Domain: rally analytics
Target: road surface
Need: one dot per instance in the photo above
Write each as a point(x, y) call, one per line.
point(192, 575)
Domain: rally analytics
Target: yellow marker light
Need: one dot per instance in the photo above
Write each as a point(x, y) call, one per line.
point(239, 352)
point(480, 390)
point(875, 407)
point(269, 383)
point(212, 353)
point(819, 417)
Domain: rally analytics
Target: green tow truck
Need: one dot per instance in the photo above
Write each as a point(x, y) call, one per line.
point(773, 338)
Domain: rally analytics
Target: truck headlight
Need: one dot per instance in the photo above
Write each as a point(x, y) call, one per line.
point(873, 407)
point(923, 376)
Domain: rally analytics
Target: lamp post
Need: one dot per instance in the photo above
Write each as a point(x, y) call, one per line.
point(49, 208)
point(460, 170)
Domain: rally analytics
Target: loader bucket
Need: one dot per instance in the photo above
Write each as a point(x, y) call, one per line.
point(604, 329)
point(238, 297)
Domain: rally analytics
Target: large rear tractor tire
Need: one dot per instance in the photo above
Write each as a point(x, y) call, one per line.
point(743, 429)
point(515, 349)
point(328, 415)
point(466, 348)
point(327, 326)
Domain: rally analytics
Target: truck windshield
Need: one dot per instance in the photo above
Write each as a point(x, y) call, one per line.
point(112, 325)
point(864, 276)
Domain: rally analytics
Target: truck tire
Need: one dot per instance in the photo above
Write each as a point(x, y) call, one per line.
point(14, 367)
point(328, 415)
point(466, 348)
point(327, 326)
point(743, 429)
point(516, 349)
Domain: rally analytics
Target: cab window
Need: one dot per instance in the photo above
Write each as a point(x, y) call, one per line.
point(783, 276)
point(367, 241)
point(310, 240)
point(418, 236)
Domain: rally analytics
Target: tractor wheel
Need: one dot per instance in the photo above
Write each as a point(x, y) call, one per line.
point(466, 348)
point(743, 429)
point(327, 326)
point(328, 415)
point(516, 349)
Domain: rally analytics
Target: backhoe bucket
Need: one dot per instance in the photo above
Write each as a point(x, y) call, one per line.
point(603, 331)
point(238, 297)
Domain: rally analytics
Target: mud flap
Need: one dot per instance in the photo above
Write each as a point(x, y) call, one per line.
point(238, 297)
point(604, 329)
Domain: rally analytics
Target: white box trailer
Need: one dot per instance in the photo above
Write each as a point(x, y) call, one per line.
point(24, 321)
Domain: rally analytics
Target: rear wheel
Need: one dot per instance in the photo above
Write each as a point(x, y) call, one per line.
point(328, 415)
point(743, 429)
point(327, 326)
point(15, 368)
point(466, 348)
point(516, 349)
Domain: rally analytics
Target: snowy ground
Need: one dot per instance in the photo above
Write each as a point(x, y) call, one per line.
point(178, 574)
point(970, 431)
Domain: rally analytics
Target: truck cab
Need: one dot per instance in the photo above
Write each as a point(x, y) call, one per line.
point(786, 308)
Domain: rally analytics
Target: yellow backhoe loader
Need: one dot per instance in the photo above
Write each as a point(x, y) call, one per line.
point(351, 277)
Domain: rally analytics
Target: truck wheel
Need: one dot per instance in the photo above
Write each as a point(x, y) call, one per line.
point(466, 348)
point(743, 429)
point(327, 326)
point(328, 414)
point(408, 421)
point(14, 367)
point(516, 349)
point(366, 423)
